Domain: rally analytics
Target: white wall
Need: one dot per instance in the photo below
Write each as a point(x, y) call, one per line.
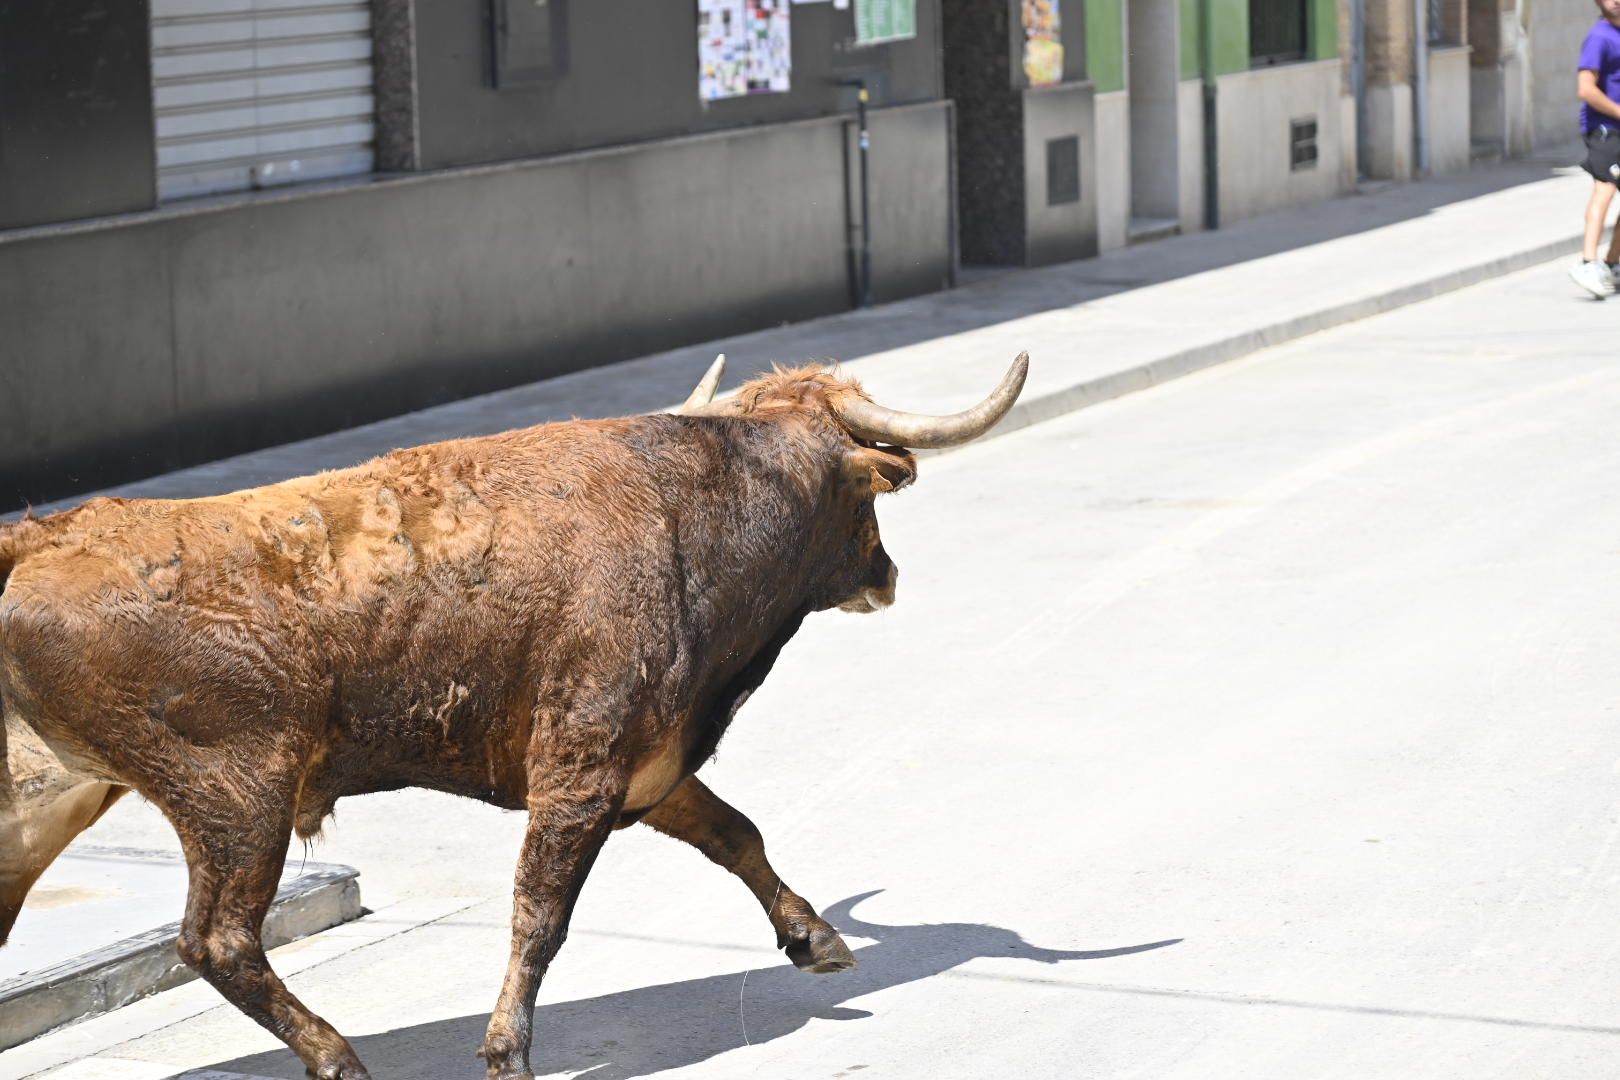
point(1448, 109)
point(1113, 113)
point(1253, 109)
point(1556, 28)
point(1190, 137)
point(1389, 132)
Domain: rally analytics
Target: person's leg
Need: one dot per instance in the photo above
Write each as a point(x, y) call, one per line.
point(1612, 256)
point(1597, 212)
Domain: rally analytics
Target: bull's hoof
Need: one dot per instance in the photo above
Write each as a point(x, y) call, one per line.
point(823, 953)
point(338, 1070)
point(503, 1060)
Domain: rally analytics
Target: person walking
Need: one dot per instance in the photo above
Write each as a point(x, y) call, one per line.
point(1598, 86)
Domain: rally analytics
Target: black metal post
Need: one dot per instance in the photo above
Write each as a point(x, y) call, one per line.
point(864, 292)
point(866, 202)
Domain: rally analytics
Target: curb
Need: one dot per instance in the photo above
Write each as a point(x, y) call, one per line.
point(1030, 411)
point(322, 896)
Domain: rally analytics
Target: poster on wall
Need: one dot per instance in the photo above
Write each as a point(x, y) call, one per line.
point(1043, 42)
point(744, 47)
point(884, 20)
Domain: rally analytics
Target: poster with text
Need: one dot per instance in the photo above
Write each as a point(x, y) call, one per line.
point(1043, 42)
point(884, 20)
point(744, 47)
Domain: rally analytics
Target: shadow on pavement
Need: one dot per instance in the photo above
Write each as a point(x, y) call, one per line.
point(645, 1031)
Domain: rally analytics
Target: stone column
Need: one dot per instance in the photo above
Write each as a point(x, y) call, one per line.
point(989, 130)
point(393, 59)
point(1498, 71)
point(1389, 90)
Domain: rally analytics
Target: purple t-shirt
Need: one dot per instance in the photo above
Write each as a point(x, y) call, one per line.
point(1600, 53)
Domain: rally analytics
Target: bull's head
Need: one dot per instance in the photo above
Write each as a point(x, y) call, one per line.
point(867, 451)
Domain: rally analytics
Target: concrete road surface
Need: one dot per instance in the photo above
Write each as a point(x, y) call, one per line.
point(1262, 725)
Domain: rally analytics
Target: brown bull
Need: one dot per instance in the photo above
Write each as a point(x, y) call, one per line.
point(562, 619)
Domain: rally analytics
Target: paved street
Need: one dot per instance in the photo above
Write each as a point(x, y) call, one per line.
point(1258, 725)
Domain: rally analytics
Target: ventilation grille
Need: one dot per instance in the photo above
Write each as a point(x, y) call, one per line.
point(259, 93)
point(1302, 143)
point(1063, 170)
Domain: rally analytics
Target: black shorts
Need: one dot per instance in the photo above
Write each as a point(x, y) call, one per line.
point(1603, 155)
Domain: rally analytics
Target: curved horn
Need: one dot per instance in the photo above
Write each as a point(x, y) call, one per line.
point(704, 392)
point(918, 431)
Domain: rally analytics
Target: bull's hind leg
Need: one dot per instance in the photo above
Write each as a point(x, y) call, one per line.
point(701, 818)
point(42, 808)
point(235, 851)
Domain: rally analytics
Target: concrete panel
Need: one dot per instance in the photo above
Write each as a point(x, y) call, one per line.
point(1152, 84)
point(1448, 110)
point(1190, 157)
point(219, 328)
point(85, 334)
point(1113, 112)
point(1253, 110)
point(75, 110)
point(911, 200)
point(1069, 230)
point(1389, 132)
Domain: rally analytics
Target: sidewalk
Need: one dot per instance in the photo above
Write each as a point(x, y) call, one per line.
point(1094, 329)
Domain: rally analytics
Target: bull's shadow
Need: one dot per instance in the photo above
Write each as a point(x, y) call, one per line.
point(646, 1031)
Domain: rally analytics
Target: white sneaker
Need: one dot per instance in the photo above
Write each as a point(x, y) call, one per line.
point(1594, 277)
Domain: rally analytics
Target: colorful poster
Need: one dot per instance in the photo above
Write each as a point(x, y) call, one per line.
point(884, 20)
point(744, 47)
point(1043, 42)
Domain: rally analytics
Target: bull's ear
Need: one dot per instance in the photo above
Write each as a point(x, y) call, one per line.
point(884, 468)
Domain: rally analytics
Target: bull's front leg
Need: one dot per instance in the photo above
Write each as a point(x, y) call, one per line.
point(571, 811)
point(696, 815)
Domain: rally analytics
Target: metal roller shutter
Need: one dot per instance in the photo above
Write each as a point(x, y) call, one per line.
point(257, 93)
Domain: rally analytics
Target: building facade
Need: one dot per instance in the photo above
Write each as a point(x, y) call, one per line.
point(230, 223)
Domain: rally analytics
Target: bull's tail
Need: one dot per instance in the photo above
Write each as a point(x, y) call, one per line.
point(43, 806)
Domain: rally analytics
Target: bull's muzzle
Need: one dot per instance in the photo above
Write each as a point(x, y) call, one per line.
point(873, 598)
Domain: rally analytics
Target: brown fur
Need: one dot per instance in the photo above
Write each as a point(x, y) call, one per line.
point(561, 619)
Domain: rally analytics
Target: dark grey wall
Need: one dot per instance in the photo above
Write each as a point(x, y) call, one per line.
point(632, 74)
point(136, 345)
point(911, 182)
point(75, 110)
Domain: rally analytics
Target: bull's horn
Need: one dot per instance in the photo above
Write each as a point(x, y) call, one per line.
point(921, 432)
point(704, 392)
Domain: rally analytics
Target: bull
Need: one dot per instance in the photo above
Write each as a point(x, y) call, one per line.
point(562, 619)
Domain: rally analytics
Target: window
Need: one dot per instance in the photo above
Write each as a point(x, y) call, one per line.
point(1302, 143)
point(1277, 31)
